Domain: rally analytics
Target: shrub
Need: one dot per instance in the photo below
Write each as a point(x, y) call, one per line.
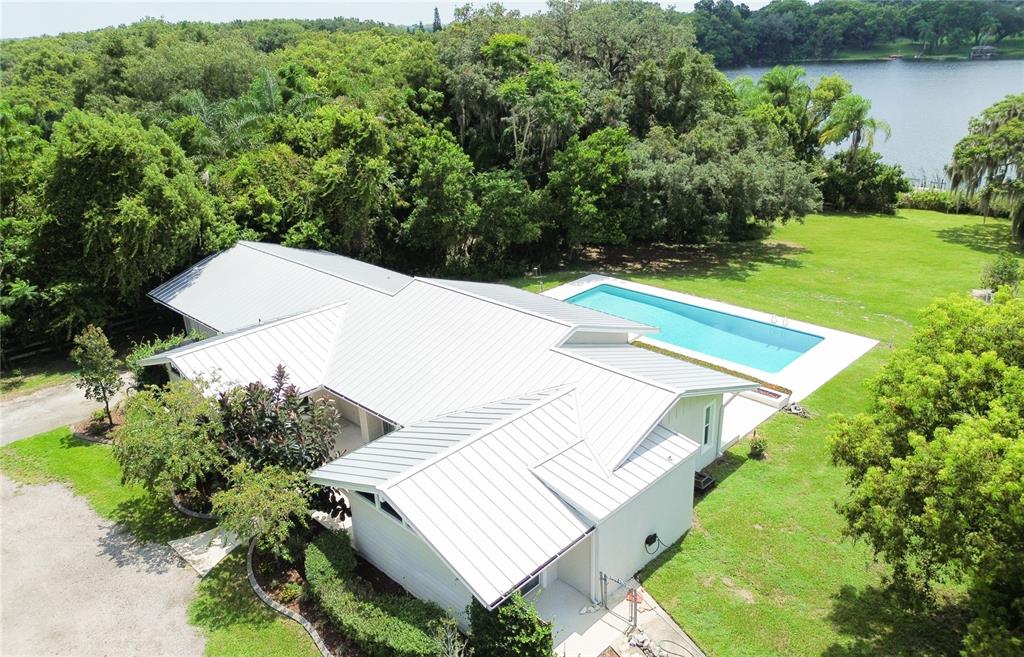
point(266, 504)
point(142, 376)
point(940, 200)
point(290, 592)
point(381, 625)
point(1004, 270)
point(276, 425)
point(168, 440)
point(758, 445)
point(861, 181)
point(512, 630)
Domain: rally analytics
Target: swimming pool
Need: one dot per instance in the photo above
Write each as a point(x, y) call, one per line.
point(761, 345)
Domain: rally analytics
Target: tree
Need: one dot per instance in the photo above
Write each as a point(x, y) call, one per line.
point(990, 159)
point(860, 181)
point(1004, 270)
point(936, 466)
point(276, 425)
point(849, 119)
point(123, 207)
point(169, 439)
point(265, 504)
point(97, 367)
point(437, 21)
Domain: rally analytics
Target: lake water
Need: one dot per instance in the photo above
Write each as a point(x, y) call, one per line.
point(928, 104)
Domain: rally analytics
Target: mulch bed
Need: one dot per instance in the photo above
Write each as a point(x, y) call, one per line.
point(273, 575)
point(98, 431)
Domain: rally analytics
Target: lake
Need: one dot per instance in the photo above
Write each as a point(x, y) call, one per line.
point(927, 103)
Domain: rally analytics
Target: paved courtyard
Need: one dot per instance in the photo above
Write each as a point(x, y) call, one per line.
point(77, 585)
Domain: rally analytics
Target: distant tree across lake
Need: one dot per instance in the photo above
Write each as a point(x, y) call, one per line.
point(795, 30)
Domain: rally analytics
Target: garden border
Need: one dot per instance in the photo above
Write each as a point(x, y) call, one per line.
point(184, 510)
point(284, 611)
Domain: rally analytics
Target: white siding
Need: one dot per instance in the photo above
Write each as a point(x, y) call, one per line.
point(394, 549)
point(665, 508)
point(574, 568)
point(687, 418)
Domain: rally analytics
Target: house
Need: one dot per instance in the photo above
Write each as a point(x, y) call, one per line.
point(497, 440)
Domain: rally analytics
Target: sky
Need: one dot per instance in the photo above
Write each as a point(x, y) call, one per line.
point(21, 19)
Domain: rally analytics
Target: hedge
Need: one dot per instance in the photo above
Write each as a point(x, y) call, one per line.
point(950, 202)
point(382, 625)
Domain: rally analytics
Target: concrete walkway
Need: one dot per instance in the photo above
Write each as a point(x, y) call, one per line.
point(74, 584)
point(22, 416)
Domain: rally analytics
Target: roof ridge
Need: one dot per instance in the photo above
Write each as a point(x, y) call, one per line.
point(566, 350)
point(489, 429)
point(441, 283)
point(254, 245)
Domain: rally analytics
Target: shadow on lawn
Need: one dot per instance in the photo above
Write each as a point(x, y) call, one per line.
point(993, 236)
point(226, 599)
point(724, 261)
point(877, 623)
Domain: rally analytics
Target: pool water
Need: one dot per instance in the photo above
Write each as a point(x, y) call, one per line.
point(761, 345)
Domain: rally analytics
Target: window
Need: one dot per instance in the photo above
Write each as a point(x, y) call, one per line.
point(369, 497)
point(390, 510)
point(707, 423)
point(387, 427)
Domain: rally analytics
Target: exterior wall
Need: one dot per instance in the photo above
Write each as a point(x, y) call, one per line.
point(198, 327)
point(665, 508)
point(687, 418)
point(363, 427)
point(574, 567)
point(598, 337)
point(400, 553)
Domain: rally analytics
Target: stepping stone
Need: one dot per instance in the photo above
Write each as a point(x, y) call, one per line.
point(205, 550)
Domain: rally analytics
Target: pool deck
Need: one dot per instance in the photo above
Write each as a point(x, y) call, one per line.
point(803, 376)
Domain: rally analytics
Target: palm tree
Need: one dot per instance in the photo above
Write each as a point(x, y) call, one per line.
point(849, 119)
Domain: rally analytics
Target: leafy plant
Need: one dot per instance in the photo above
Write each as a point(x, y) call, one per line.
point(168, 441)
point(140, 376)
point(290, 592)
point(758, 445)
point(97, 367)
point(513, 629)
point(264, 504)
point(1004, 270)
point(276, 426)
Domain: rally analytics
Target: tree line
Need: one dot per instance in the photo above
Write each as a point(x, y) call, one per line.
point(795, 30)
point(495, 144)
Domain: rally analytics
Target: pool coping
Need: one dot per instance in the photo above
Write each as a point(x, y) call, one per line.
point(808, 372)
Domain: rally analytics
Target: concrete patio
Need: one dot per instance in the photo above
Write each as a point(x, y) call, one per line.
point(587, 630)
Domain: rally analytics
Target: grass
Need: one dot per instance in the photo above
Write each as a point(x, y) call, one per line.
point(234, 620)
point(765, 570)
point(22, 381)
point(237, 624)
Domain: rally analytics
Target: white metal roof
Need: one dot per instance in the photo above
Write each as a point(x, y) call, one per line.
point(301, 343)
point(429, 352)
point(352, 270)
point(252, 283)
point(577, 476)
point(391, 455)
point(559, 311)
point(484, 512)
point(678, 375)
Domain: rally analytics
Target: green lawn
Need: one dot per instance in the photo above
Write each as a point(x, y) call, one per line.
point(21, 381)
point(765, 570)
point(235, 622)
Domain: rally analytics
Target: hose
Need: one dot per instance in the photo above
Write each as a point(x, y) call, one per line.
point(665, 651)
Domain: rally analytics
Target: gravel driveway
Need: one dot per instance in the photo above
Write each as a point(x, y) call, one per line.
point(74, 584)
point(22, 416)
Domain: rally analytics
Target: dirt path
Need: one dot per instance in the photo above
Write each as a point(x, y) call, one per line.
point(56, 406)
point(74, 584)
